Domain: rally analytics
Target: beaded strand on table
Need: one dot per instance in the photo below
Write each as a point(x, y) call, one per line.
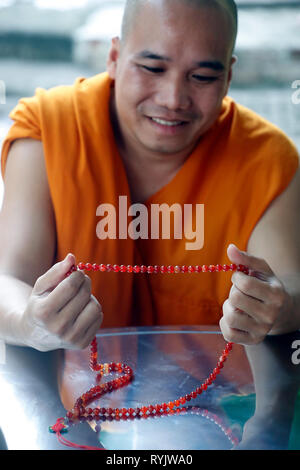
point(81, 408)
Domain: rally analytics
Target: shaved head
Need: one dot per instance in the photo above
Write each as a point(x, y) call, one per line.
point(132, 8)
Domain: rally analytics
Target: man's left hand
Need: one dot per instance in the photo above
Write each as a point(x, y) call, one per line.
point(256, 301)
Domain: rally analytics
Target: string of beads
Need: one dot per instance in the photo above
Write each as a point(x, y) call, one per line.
point(81, 406)
point(82, 409)
point(160, 269)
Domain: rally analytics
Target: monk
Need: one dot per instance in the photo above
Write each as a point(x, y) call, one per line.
point(158, 128)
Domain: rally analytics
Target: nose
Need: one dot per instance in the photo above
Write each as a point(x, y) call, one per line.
point(173, 94)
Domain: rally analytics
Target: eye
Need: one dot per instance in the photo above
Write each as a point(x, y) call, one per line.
point(203, 78)
point(152, 69)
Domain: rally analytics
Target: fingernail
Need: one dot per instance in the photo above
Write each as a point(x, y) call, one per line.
point(233, 245)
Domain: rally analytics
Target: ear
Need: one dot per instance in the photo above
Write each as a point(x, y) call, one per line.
point(234, 59)
point(113, 56)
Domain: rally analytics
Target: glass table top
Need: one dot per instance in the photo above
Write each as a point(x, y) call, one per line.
point(37, 388)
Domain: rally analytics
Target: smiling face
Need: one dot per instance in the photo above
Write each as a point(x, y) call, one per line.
point(171, 75)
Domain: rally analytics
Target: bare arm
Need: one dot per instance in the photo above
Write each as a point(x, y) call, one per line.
point(27, 234)
point(277, 381)
point(276, 240)
point(263, 312)
point(268, 301)
point(39, 307)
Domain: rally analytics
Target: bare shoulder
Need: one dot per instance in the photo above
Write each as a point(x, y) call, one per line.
point(27, 227)
point(276, 236)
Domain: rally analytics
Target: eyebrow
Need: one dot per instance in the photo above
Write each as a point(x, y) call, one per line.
point(206, 64)
point(211, 64)
point(151, 55)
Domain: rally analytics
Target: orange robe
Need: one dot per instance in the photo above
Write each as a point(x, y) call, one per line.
point(240, 165)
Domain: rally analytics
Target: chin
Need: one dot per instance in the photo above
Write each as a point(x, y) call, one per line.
point(169, 149)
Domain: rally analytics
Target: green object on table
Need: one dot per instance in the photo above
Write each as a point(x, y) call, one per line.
point(240, 408)
point(294, 443)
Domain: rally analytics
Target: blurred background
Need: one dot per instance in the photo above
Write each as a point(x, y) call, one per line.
point(44, 43)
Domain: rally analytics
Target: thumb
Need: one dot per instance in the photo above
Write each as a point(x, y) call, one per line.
point(55, 275)
point(255, 265)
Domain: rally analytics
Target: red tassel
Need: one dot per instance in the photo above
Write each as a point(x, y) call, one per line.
point(60, 427)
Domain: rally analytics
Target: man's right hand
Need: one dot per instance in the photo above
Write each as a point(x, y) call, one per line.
point(61, 312)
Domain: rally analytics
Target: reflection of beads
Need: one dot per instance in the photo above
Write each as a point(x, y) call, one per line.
point(186, 410)
point(218, 421)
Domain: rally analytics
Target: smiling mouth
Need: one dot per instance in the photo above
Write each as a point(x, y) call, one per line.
point(164, 122)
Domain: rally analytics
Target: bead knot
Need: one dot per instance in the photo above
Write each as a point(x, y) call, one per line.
point(58, 427)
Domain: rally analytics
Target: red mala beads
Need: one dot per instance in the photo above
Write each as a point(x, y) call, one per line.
point(82, 408)
point(107, 268)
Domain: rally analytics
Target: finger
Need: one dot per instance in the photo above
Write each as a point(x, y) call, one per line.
point(237, 319)
point(233, 335)
point(91, 314)
point(270, 292)
point(67, 290)
point(257, 266)
point(66, 316)
point(256, 309)
point(90, 333)
point(55, 275)
point(83, 339)
point(251, 286)
point(239, 335)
